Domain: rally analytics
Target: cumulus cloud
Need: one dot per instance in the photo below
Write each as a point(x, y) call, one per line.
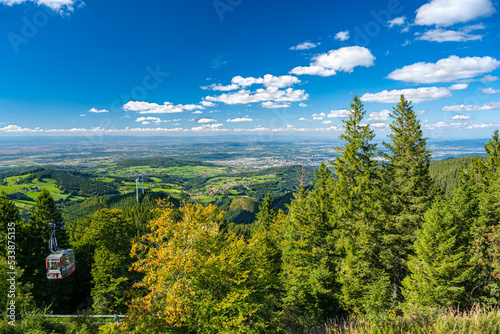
point(416, 95)
point(459, 86)
point(378, 125)
point(272, 105)
point(219, 87)
point(327, 122)
point(241, 119)
point(303, 105)
point(470, 107)
point(445, 70)
point(343, 59)
point(490, 91)
point(94, 110)
point(205, 120)
point(318, 117)
point(305, 46)
point(382, 115)
point(147, 120)
point(59, 6)
point(461, 117)
point(207, 104)
point(398, 21)
point(440, 35)
point(449, 12)
point(272, 94)
point(339, 113)
point(198, 112)
point(83, 115)
point(342, 35)
point(154, 108)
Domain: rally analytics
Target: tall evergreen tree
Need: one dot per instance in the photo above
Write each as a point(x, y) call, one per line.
point(33, 249)
point(309, 260)
point(358, 213)
point(9, 216)
point(409, 190)
point(439, 275)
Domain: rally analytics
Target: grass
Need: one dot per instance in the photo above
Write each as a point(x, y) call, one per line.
point(476, 321)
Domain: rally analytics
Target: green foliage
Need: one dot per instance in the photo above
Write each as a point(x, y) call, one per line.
point(357, 210)
point(446, 174)
point(408, 191)
point(439, 274)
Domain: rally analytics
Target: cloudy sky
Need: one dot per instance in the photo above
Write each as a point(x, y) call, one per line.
point(211, 67)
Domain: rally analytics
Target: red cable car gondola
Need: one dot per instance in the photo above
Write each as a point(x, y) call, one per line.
point(61, 263)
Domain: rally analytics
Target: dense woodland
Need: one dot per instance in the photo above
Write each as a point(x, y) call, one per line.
point(369, 244)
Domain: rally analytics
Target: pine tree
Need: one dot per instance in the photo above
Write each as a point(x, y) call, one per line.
point(439, 275)
point(409, 190)
point(309, 258)
point(357, 212)
point(267, 214)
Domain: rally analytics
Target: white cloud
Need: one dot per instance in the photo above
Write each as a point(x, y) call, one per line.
point(333, 128)
point(260, 95)
point(305, 46)
point(94, 110)
point(313, 70)
point(198, 112)
point(205, 120)
point(448, 12)
point(220, 87)
point(378, 125)
point(59, 6)
point(382, 115)
point(17, 128)
point(268, 80)
point(398, 21)
point(489, 78)
point(272, 105)
point(461, 117)
point(445, 70)
point(343, 59)
point(318, 117)
point(303, 119)
point(342, 35)
point(241, 119)
point(327, 122)
point(416, 95)
point(207, 104)
point(339, 113)
point(490, 91)
point(459, 86)
point(147, 120)
point(207, 127)
point(483, 125)
point(154, 108)
point(470, 107)
point(83, 115)
point(440, 125)
point(462, 35)
point(303, 105)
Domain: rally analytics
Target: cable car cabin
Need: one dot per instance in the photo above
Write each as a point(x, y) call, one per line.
point(60, 264)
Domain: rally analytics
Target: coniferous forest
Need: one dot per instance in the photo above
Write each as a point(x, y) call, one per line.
point(372, 246)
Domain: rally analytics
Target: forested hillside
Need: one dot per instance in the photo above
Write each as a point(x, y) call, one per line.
point(369, 247)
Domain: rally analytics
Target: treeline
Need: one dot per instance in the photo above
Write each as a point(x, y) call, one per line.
point(75, 183)
point(376, 243)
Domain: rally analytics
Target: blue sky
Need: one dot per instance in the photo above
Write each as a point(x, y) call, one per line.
point(207, 68)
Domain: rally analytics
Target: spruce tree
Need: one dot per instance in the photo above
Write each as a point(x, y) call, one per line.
point(309, 255)
point(408, 189)
point(438, 272)
point(9, 217)
point(357, 213)
point(33, 249)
